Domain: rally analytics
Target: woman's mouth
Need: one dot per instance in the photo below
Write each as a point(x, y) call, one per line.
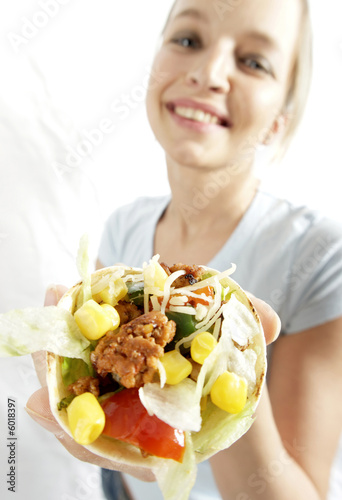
point(196, 115)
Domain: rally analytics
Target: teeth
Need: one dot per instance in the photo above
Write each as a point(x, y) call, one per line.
point(196, 115)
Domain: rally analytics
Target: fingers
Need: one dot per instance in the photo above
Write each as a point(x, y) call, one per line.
point(81, 453)
point(38, 408)
point(269, 319)
point(53, 294)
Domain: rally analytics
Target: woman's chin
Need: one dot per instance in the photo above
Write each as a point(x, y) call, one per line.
point(191, 157)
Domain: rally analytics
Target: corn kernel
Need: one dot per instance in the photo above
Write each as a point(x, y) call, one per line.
point(202, 345)
point(86, 418)
point(154, 275)
point(177, 367)
point(112, 293)
point(95, 320)
point(229, 392)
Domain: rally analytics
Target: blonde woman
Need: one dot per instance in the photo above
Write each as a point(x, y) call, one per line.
point(235, 79)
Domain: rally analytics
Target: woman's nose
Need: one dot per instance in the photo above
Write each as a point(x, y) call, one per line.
point(210, 71)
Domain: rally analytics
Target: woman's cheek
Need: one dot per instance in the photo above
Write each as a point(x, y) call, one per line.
point(271, 103)
point(260, 113)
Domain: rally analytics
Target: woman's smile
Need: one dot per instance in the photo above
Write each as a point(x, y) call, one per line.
point(199, 116)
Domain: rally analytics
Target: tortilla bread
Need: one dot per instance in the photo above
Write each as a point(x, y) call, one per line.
point(236, 424)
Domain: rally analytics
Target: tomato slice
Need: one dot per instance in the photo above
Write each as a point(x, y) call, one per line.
point(128, 420)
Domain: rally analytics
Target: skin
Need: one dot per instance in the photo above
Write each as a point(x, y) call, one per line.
point(241, 65)
point(288, 451)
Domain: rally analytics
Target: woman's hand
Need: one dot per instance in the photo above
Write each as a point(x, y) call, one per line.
point(269, 319)
point(39, 409)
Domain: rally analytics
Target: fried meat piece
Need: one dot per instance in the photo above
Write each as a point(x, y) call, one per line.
point(131, 355)
point(193, 274)
point(127, 311)
point(85, 384)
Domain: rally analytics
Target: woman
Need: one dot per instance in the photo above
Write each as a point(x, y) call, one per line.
point(235, 80)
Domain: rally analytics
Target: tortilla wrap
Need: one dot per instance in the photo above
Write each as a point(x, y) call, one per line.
point(219, 429)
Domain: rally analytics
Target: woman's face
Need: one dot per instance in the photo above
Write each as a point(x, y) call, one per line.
point(221, 77)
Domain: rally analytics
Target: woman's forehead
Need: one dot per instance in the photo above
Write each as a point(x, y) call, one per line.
point(271, 16)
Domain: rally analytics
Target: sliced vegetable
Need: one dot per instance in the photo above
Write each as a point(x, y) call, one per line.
point(186, 324)
point(94, 320)
point(65, 402)
point(73, 369)
point(86, 418)
point(205, 295)
point(202, 345)
point(128, 420)
point(136, 293)
point(229, 392)
point(176, 366)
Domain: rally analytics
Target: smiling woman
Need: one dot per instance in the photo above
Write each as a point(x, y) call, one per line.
point(250, 58)
point(232, 84)
point(227, 90)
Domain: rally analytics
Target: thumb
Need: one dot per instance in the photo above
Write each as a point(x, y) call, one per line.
point(269, 319)
point(53, 294)
point(38, 408)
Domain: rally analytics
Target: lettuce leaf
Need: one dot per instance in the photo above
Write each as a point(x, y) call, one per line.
point(83, 268)
point(221, 429)
point(53, 329)
point(75, 368)
point(177, 405)
point(177, 479)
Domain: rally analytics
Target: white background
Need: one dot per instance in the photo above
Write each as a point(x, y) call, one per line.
point(61, 81)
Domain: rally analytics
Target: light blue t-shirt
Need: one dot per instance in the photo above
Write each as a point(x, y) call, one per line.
point(287, 255)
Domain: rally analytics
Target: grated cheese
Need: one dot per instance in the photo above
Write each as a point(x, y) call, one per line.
point(183, 309)
point(212, 321)
point(186, 340)
point(189, 293)
point(217, 329)
point(167, 288)
point(152, 290)
point(217, 303)
point(155, 303)
point(201, 312)
point(178, 301)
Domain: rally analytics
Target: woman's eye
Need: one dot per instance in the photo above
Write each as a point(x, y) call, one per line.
point(257, 65)
point(187, 41)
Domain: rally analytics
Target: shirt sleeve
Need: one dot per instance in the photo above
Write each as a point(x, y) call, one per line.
point(314, 284)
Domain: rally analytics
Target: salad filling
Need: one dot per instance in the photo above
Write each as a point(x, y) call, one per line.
point(159, 367)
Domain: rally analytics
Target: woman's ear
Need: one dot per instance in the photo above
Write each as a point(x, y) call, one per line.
point(277, 128)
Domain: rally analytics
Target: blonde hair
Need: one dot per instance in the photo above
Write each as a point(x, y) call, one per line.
point(298, 91)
